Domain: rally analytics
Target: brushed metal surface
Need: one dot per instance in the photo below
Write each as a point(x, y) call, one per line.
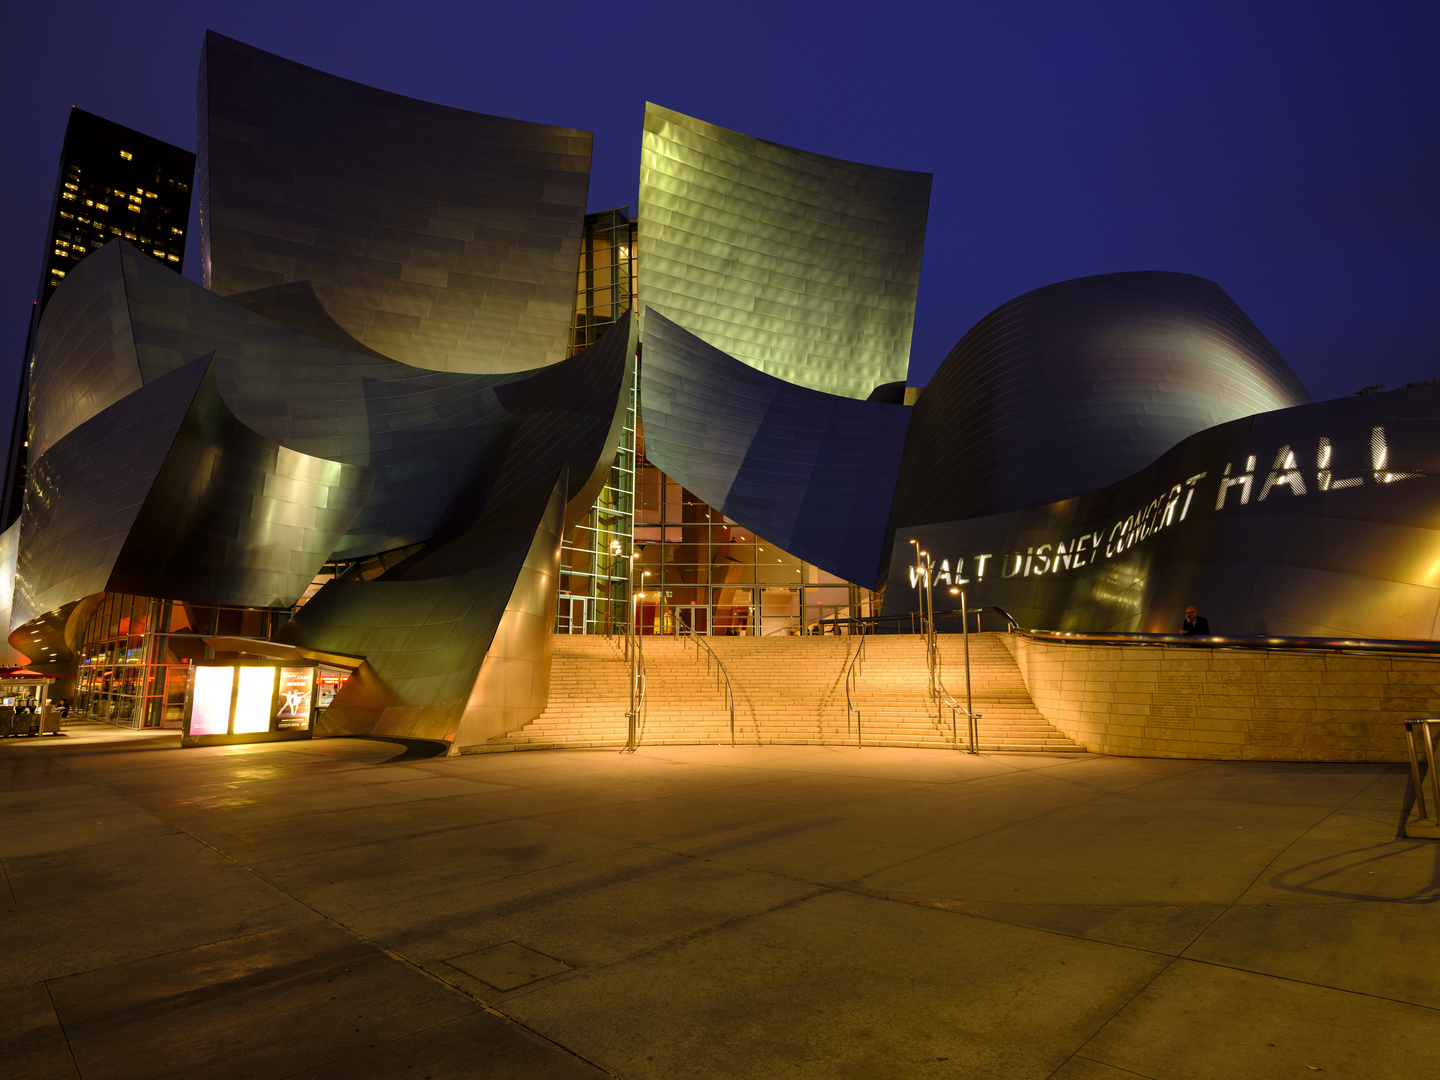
point(1077, 385)
point(442, 238)
point(810, 472)
point(428, 435)
point(484, 589)
point(166, 493)
point(425, 638)
point(1319, 520)
point(800, 265)
point(10, 656)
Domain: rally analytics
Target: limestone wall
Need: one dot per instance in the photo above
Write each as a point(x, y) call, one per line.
point(1228, 703)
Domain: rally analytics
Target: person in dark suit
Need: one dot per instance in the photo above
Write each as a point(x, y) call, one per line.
point(1195, 623)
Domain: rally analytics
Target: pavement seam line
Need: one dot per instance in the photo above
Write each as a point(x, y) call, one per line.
point(15, 900)
point(344, 927)
point(61, 1025)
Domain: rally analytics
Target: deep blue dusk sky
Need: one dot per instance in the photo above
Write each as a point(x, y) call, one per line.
point(1288, 151)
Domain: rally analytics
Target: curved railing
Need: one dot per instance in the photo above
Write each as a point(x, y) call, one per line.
point(852, 670)
point(1235, 641)
point(636, 660)
point(683, 630)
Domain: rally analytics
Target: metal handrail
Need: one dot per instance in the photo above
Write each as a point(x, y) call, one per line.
point(1234, 641)
point(849, 702)
point(972, 719)
point(729, 690)
point(637, 692)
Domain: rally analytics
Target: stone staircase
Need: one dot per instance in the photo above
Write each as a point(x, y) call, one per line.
point(787, 690)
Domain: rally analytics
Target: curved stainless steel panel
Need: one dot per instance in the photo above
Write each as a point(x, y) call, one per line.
point(83, 495)
point(1314, 521)
point(166, 493)
point(459, 633)
point(425, 638)
point(9, 554)
point(808, 471)
point(802, 266)
point(427, 434)
point(85, 359)
point(442, 238)
point(1078, 385)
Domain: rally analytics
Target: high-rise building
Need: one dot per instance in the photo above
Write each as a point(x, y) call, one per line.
point(113, 182)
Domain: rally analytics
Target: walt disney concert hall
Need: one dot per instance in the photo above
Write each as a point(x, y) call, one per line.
point(425, 414)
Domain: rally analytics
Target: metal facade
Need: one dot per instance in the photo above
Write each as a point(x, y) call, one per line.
point(166, 493)
point(811, 472)
point(442, 238)
point(1315, 520)
point(427, 626)
point(799, 265)
point(1077, 385)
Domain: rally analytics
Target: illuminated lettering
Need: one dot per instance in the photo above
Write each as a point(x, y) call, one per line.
point(1029, 554)
point(1284, 473)
point(1042, 561)
point(1061, 558)
point(1380, 460)
point(1322, 464)
point(1110, 548)
point(944, 575)
point(959, 570)
point(1077, 547)
point(1008, 571)
point(980, 561)
point(1190, 484)
point(1245, 480)
point(1173, 497)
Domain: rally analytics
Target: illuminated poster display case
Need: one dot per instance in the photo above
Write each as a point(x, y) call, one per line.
point(241, 701)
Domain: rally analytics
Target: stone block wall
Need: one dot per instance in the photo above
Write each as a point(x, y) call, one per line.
point(1145, 701)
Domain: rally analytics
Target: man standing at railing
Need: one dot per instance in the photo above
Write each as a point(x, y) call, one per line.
point(1195, 623)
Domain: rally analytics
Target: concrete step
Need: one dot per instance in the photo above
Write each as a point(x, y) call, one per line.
point(786, 689)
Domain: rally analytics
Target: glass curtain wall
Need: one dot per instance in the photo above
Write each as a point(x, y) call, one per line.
point(136, 651)
point(691, 565)
point(595, 558)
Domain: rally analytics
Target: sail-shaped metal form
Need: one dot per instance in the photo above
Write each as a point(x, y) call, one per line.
point(802, 266)
point(442, 238)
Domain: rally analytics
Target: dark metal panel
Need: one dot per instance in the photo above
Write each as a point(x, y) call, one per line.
point(430, 436)
point(166, 493)
point(234, 518)
point(10, 656)
point(800, 265)
point(84, 494)
point(442, 238)
point(457, 637)
point(425, 638)
point(1320, 519)
point(808, 471)
point(1076, 385)
point(85, 357)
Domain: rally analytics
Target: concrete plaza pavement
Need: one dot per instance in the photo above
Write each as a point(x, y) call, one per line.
point(340, 908)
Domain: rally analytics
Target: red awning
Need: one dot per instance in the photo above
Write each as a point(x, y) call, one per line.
point(23, 673)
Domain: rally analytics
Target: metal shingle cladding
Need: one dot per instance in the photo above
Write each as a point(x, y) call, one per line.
point(808, 471)
point(1079, 384)
point(442, 238)
point(802, 266)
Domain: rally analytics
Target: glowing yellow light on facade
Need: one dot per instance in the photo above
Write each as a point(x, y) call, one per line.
point(127, 155)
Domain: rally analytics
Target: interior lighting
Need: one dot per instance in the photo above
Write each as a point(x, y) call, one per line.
point(210, 711)
point(127, 155)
